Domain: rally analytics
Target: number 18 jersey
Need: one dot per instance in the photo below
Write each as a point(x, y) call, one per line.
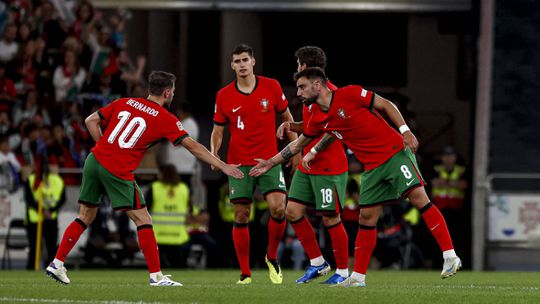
point(132, 126)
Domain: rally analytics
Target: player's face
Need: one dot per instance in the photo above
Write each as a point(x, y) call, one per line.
point(307, 90)
point(242, 64)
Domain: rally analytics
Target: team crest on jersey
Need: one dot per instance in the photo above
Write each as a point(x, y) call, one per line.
point(341, 113)
point(264, 104)
point(179, 125)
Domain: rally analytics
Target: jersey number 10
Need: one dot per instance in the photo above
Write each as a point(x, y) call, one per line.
point(135, 128)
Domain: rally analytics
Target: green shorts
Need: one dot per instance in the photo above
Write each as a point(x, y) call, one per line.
point(241, 190)
point(96, 181)
point(327, 192)
point(391, 180)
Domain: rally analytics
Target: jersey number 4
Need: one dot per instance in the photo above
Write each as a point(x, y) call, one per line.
point(133, 130)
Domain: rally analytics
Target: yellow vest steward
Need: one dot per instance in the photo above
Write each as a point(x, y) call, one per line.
point(454, 175)
point(169, 213)
point(52, 190)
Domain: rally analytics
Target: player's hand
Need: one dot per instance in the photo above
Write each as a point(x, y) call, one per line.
point(307, 159)
point(262, 167)
point(283, 129)
point(233, 171)
point(410, 141)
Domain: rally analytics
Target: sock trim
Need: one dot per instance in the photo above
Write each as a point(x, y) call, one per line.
point(78, 221)
point(333, 226)
point(365, 227)
point(279, 221)
point(426, 207)
point(240, 225)
point(145, 226)
point(297, 221)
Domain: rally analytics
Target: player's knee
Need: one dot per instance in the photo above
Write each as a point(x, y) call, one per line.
point(278, 213)
point(331, 220)
point(241, 215)
point(368, 218)
point(293, 214)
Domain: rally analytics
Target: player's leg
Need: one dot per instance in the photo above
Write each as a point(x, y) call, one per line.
point(89, 198)
point(240, 194)
point(272, 184)
point(410, 184)
point(438, 228)
point(374, 192)
point(329, 193)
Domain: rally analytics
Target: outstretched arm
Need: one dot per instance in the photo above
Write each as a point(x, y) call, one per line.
point(203, 154)
point(288, 118)
point(390, 109)
point(287, 153)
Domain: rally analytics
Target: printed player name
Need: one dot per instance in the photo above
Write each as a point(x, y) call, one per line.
point(141, 107)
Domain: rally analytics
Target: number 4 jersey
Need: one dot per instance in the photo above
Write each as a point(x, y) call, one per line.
point(132, 126)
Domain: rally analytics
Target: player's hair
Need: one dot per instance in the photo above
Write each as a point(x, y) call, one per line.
point(311, 56)
point(242, 48)
point(311, 73)
point(158, 81)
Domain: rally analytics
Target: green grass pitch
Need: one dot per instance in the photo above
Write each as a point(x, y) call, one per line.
point(396, 287)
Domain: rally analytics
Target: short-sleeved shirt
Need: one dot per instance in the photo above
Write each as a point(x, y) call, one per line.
point(251, 119)
point(330, 161)
point(132, 126)
point(353, 119)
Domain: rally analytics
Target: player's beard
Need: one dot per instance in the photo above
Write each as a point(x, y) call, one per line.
point(309, 101)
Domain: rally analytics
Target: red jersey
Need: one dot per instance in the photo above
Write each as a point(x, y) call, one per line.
point(251, 119)
point(332, 160)
point(352, 119)
point(132, 125)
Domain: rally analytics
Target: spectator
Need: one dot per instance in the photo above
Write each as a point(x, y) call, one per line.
point(54, 197)
point(5, 124)
point(9, 166)
point(24, 68)
point(26, 33)
point(54, 32)
point(8, 45)
point(8, 93)
point(68, 78)
point(32, 111)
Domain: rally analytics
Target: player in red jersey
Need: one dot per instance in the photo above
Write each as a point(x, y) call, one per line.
point(324, 186)
point(248, 106)
point(131, 126)
point(391, 169)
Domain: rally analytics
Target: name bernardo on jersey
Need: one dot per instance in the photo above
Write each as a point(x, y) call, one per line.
point(143, 108)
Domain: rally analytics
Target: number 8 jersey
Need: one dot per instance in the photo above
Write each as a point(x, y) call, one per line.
point(132, 126)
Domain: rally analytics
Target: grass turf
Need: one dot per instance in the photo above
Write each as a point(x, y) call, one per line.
point(396, 287)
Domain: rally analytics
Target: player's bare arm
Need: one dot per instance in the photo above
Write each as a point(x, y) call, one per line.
point(92, 124)
point(216, 140)
point(325, 141)
point(290, 126)
point(390, 109)
point(203, 154)
point(295, 161)
point(293, 148)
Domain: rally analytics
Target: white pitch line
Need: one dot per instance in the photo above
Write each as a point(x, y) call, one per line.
point(37, 300)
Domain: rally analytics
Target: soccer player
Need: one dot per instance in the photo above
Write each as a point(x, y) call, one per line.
point(130, 127)
point(248, 106)
point(353, 116)
point(323, 186)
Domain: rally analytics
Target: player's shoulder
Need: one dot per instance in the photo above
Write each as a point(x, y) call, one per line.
point(267, 81)
point(351, 90)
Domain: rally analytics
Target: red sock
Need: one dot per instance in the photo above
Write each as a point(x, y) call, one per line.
point(366, 239)
point(276, 229)
point(340, 243)
point(148, 245)
point(305, 233)
point(241, 244)
point(437, 225)
point(70, 238)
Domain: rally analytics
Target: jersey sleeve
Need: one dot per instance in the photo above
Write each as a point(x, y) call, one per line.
point(106, 112)
point(365, 97)
point(174, 131)
point(282, 103)
point(219, 116)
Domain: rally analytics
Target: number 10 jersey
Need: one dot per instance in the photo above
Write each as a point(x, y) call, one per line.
point(131, 127)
